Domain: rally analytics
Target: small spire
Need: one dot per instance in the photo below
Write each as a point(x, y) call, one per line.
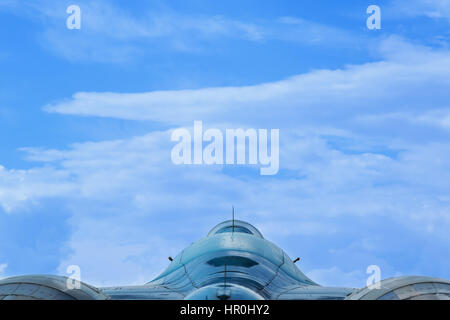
point(232, 215)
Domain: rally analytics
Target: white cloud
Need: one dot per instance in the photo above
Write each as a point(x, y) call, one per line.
point(405, 81)
point(299, 30)
point(22, 187)
point(439, 118)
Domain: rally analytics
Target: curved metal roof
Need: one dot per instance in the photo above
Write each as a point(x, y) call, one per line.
point(253, 243)
point(38, 287)
point(405, 288)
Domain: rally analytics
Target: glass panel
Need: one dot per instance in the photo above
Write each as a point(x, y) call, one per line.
point(389, 296)
point(235, 229)
point(232, 261)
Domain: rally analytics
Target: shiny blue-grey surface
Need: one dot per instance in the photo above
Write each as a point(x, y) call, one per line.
point(233, 262)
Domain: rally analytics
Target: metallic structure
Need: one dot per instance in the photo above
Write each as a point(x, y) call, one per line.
point(233, 262)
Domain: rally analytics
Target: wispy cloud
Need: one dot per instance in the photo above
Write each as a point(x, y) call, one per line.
point(438, 118)
point(404, 80)
point(111, 34)
point(436, 9)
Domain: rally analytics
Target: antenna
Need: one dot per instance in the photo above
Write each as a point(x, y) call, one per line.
point(232, 213)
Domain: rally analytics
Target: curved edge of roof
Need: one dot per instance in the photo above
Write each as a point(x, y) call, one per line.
point(238, 223)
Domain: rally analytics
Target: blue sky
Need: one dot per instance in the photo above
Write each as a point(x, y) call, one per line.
point(86, 115)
